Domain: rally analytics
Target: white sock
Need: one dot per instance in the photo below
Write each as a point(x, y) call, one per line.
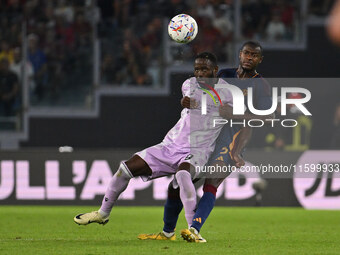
point(117, 185)
point(194, 229)
point(168, 235)
point(103, 214)
point(187, 194)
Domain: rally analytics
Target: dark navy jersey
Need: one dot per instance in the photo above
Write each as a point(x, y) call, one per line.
point(227, 73)
point(261, 89)
point(262, 100)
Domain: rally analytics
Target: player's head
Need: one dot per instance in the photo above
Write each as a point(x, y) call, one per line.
point(205, 65)
point(250, 55)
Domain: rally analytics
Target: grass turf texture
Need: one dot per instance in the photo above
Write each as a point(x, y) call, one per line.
point(51, 230)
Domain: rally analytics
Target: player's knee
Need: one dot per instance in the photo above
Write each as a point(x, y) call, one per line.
point(185, 166)
point(185, 169)
point(173, 193)
point(124, 171)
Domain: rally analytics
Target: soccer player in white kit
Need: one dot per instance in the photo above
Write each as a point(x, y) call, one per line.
point(187, 145)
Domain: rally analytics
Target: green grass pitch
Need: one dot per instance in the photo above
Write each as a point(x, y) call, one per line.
point(50, 230)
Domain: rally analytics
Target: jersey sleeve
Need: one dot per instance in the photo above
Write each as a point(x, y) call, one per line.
point(186, 88)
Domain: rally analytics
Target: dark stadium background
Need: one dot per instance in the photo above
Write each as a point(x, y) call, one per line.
point(122, 119)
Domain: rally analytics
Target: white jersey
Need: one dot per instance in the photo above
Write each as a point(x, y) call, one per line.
point(194, 130)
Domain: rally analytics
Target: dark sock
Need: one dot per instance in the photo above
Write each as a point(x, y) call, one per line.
point(172, 209)
point(205, 205)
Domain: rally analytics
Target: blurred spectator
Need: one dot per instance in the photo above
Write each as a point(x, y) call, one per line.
point(137, 47)
point(174, 7)
point(320, 7)
point(222, 23)
point(125, 10)
point(4, 24)
point(255, 17)
point(6, 52)
point(287, 13)
point(9, 89)
point(14, 10)
point(64, 32)
point(14, 34)
point(64, 10)
point(109, 70)
point(59, 42)
point(209, 39)
point(276, 29)
point(141, 78)
point(17, 67)
point(288, 17)
point(151, 40)
point(131, 60)
point(271, 20)
point(335, 142)
point(49, 17)
point(205, 9)
point(38, 60)
point(82, 29)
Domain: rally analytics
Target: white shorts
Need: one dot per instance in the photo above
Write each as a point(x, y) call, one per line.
point(164, 160)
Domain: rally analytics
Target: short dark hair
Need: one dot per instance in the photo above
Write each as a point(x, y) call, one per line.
point(253, 44)
point(207, 55)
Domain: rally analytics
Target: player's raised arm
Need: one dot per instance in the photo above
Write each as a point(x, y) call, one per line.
point(242, 141)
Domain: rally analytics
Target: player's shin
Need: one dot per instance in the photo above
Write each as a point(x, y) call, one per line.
point(187, 194)
point(118, 184)
point(204, 207)
point(172, 209)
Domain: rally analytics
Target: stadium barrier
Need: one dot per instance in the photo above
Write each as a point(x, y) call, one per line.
point(47, 177)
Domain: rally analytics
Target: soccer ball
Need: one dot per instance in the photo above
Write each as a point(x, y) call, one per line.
point(182, 28)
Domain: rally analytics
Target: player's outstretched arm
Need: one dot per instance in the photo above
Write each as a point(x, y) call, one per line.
point(242, 140)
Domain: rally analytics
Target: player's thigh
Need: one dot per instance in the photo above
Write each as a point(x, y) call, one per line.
point(217, 177)
point(185, 166)
point(138, 166)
